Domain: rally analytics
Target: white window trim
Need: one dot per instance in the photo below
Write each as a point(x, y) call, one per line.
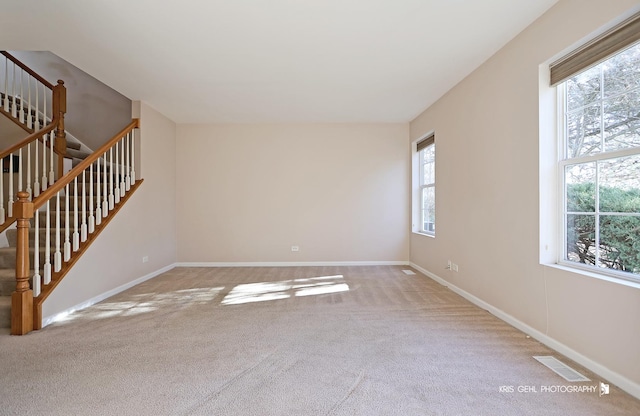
point(416, 200)
point(562, 162)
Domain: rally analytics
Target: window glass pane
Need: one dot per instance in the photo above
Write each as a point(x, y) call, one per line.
point(581, 238)
point(620, 185)
point(621, 72)
point(583, 89)
point(619, 243)
point(622, 121)
point(429, 169)
point(583, 131)
point(428, 209)
point(580, 187)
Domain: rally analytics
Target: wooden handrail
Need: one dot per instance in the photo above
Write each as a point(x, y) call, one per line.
point(27, 69)
point(32, 137)
point(51, 191)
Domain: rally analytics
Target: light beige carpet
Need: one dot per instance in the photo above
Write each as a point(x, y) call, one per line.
point(287, 341)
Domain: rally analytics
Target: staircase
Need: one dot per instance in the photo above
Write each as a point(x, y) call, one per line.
point(57, 214)
point(8, 254)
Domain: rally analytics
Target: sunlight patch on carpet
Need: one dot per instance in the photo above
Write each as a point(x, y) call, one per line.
point(266, 291)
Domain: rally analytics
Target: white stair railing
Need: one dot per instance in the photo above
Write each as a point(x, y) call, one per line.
point(24, 95)
point(81, 207)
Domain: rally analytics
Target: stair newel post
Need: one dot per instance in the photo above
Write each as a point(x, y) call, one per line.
point(22, 298)
point(59, 109)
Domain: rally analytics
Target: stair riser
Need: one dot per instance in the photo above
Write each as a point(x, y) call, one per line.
point(12, 237)
point(8, 258)
point(7, 287)
point(5, 316)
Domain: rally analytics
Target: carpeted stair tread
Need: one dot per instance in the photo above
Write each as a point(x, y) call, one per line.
point(73, 145)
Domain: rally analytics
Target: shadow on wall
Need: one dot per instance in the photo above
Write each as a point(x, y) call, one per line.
point(95, 111)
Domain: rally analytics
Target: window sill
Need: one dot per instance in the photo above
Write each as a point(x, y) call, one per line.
point(587, 273)
point(423, 234)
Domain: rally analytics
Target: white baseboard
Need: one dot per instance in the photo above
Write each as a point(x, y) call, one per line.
point(60, 315)
point(292, 264)
point(619, 380)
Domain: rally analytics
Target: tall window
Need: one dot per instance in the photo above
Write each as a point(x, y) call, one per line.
point(427, 161)
point(600, 162)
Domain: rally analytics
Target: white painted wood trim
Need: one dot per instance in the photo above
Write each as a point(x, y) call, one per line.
point(60, 315)
point(619, 380)
point(292, 264)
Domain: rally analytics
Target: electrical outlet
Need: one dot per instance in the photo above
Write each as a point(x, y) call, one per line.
point(295, 249)
point(145, 259)
point(449, 265)
point(454, 267)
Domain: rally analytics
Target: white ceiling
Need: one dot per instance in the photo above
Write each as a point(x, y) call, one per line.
point(204, 61)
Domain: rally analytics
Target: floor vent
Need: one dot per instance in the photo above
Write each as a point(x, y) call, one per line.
point(409, 272)
point(560, 368)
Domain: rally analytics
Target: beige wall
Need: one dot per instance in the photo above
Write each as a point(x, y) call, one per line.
point(145, 226)
point(488, 199)
point(247, 193)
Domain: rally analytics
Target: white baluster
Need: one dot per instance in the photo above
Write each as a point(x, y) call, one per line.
point(66, 247)
point(13, 95)
point(111, 196)
point(36, 256)
point(29, 117)
point(45, 181)
point(6, 85)
point(36, 184)
point(76, 234)
point(2, 213)
point(28, 189)
point(128, 164)
point(46, 269)
point(44, 105)
point(83, 226)
point(105, 202)
point(98, 200)
point(37, 109)
point(122, 182)
point(133, 157)
point(10, 203)
point(20, 170)
point(57, 255)
point(116, 191)
point(92, 219)
point(21, 113)
point(51, 174)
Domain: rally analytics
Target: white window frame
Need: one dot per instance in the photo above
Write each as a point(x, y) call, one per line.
point(563, 162)
point(420, 187)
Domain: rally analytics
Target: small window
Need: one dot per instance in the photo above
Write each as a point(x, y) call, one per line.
point(427, 185)
point(600, 165)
